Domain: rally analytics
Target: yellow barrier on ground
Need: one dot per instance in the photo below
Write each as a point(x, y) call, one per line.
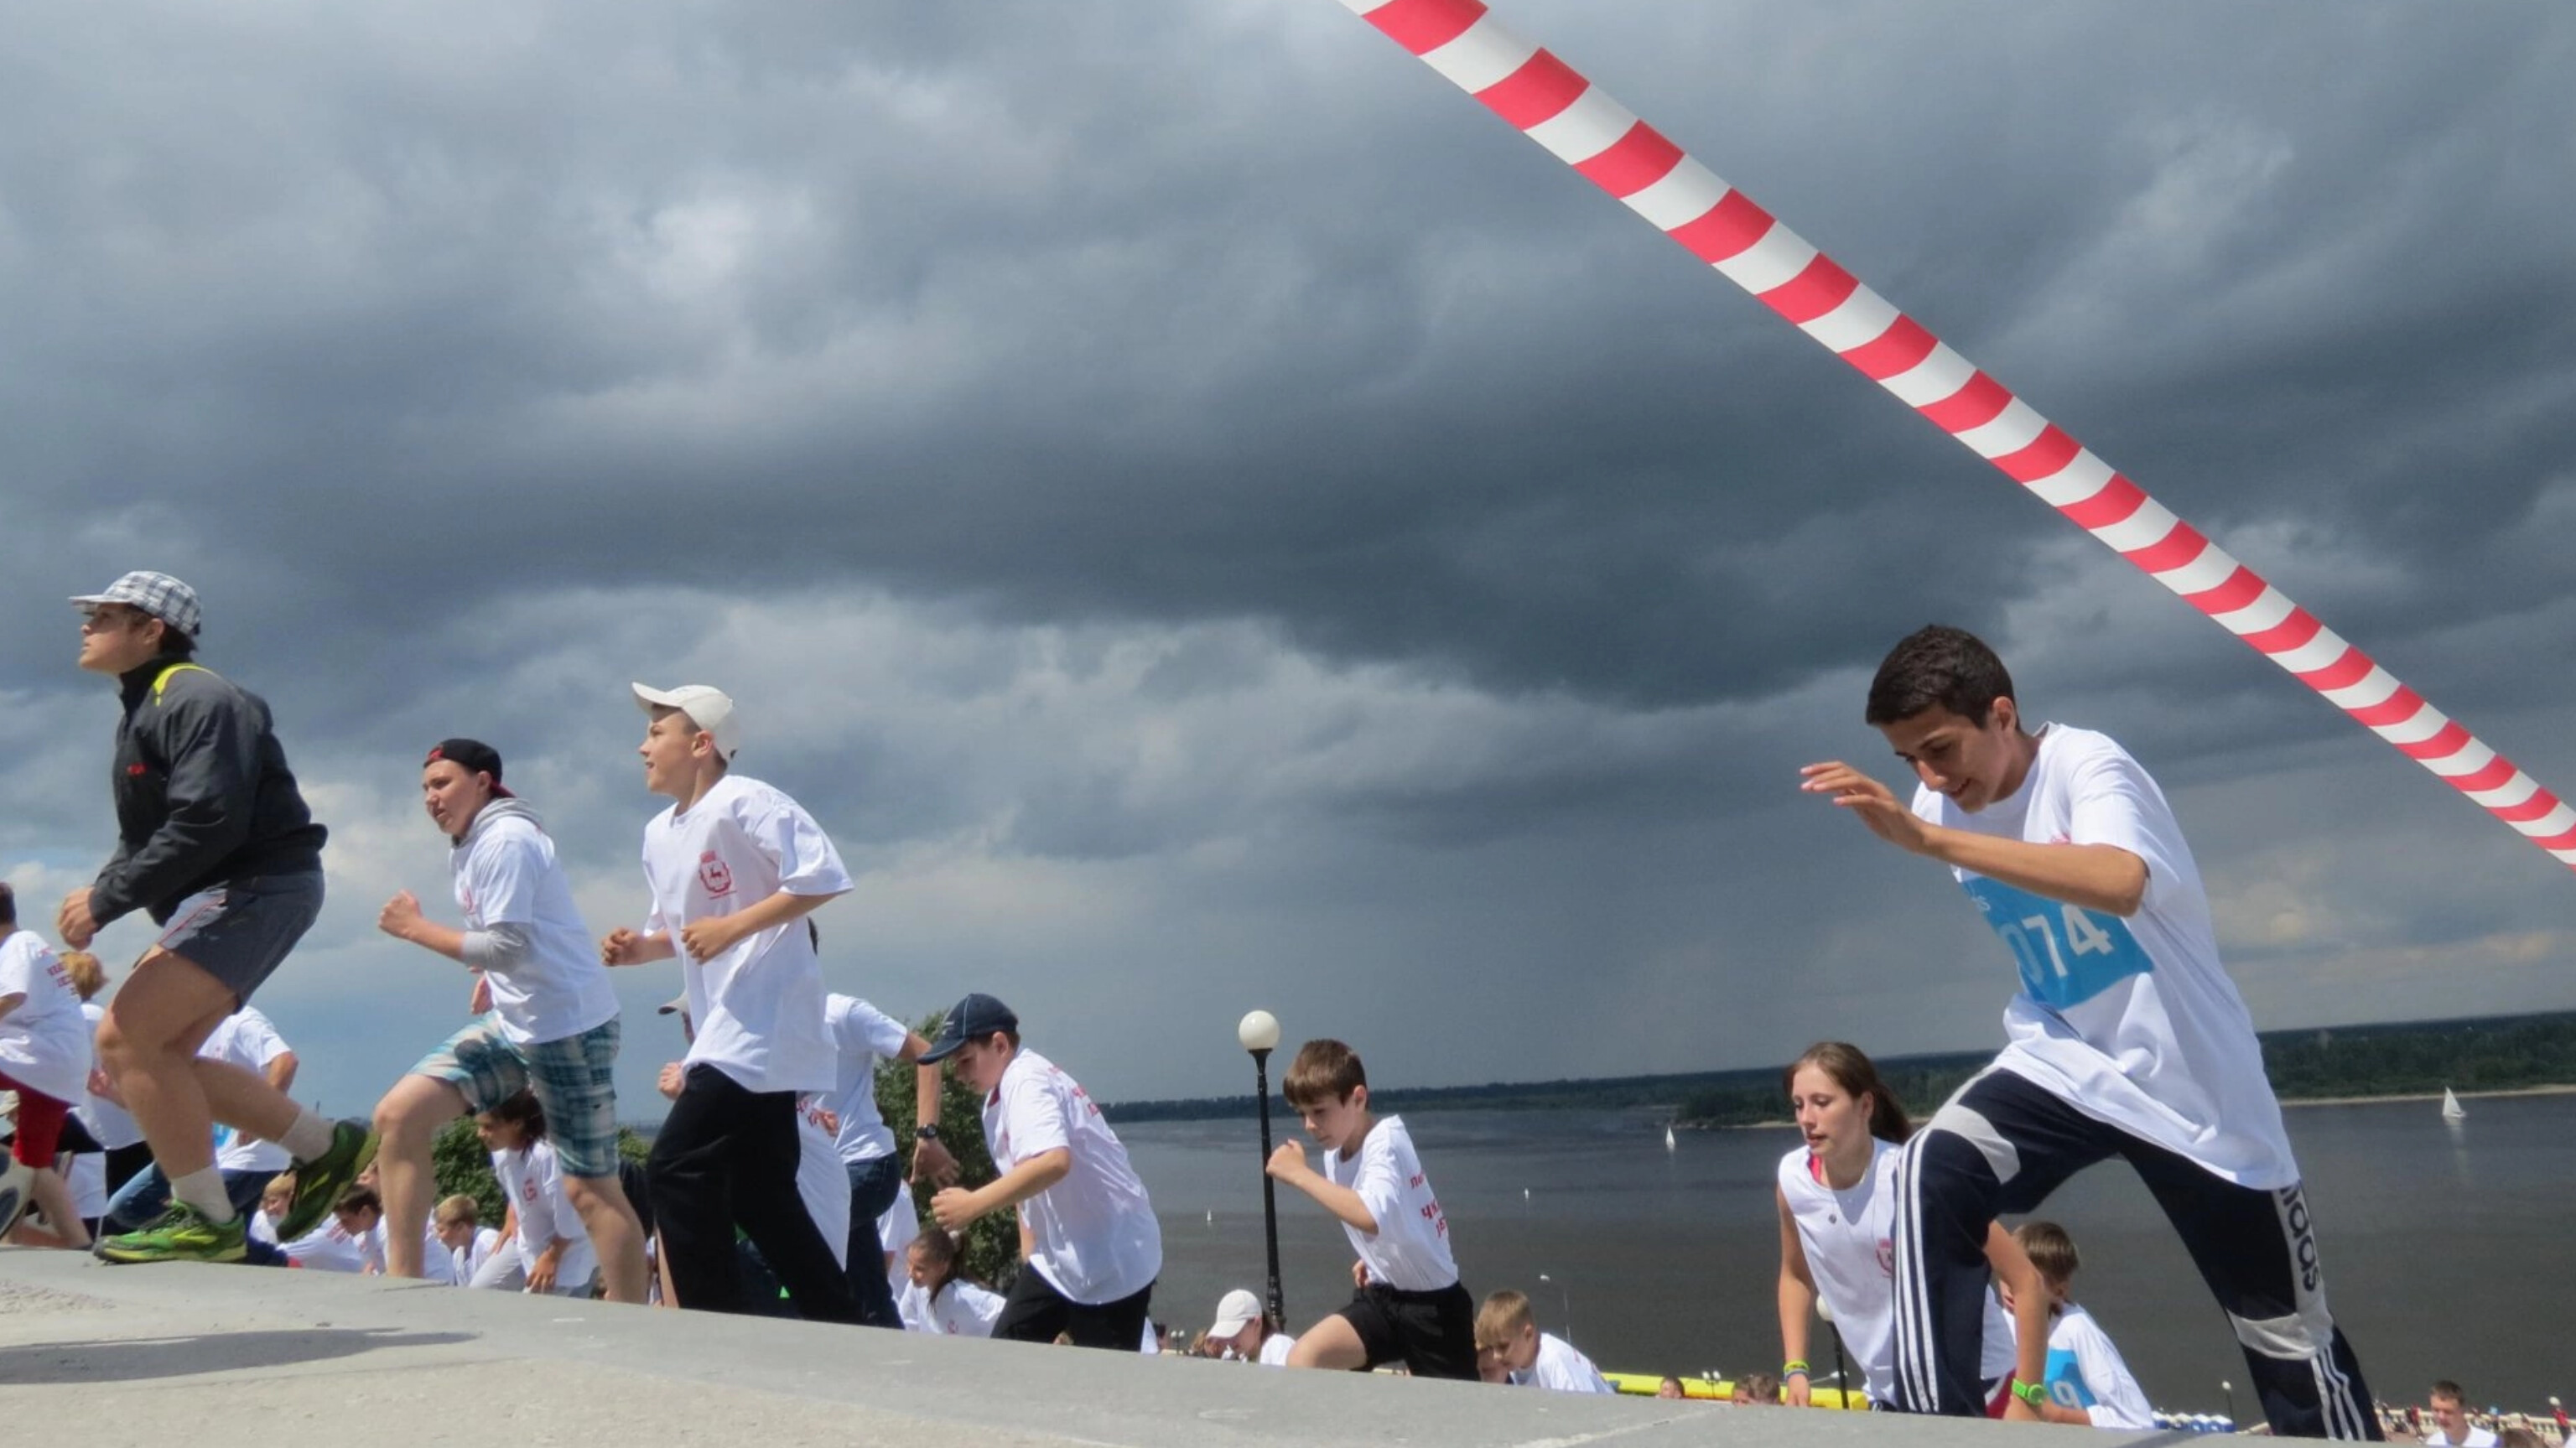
point(1646, 1385)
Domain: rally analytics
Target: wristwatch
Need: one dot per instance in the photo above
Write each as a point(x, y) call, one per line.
point(926, 1133)
point(2035, 1394)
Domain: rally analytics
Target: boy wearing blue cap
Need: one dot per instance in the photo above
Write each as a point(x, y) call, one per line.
point(1089, 1244)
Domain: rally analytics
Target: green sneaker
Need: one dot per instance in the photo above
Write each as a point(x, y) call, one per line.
point(183, 1234)
point(319, 1182)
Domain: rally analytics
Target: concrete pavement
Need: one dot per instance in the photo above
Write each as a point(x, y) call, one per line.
point(188, 1356)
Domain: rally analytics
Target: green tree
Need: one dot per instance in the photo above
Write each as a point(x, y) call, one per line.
point(992, 1246)
point(463, 1166)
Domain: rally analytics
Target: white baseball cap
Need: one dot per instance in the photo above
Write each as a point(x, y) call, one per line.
point(1235, 1311)
point(710, 708)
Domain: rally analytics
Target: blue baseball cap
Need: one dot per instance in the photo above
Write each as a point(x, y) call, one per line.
point(975, 1018)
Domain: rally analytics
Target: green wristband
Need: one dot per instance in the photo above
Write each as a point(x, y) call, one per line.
point(1794, 1368)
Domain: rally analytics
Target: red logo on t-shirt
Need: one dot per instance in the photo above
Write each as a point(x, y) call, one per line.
point(135, 770)
point(713, 874)
point(1886, 1257)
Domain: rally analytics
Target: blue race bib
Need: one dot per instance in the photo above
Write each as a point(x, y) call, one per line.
point(2067, 954)
point(2066, 1380)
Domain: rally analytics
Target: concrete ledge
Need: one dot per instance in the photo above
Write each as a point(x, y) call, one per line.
point(210, 1356)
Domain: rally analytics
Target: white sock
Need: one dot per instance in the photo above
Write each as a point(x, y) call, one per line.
point(204, 1190)
point(309, 1137)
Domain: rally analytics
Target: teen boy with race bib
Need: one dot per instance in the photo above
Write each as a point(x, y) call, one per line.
point(2127, 1038)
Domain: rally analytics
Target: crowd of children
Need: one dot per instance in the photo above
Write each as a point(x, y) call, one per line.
point(2126, 1038)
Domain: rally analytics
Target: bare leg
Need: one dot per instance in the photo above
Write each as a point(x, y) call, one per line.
point(407, 1121)
point(148, 1046)
point(616, 1234)
point(52, 1195)
point(1330, 1343)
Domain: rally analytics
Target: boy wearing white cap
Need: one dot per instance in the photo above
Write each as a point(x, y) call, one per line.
point(1242, 1330)
point(733, 866)
point(215, 844)
point(1090, 1246)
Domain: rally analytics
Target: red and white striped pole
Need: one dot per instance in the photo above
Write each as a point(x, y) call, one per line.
point(1552, 105)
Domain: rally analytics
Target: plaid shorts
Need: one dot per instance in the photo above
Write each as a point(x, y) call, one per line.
point(574, 1078)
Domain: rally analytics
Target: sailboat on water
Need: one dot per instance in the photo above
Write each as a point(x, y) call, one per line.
point(1668, 1136)
point(2451, 1108)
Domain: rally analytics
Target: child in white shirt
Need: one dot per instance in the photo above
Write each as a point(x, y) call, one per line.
point(555, 1255)
point(936, 1300)
point(1092, 1246)
point(734, 867)
point(1511, 1349)
point(1410, 1306)
point(546, 1019)
point(45, 1058)
point(1242, 1330)
point(2088, 1382)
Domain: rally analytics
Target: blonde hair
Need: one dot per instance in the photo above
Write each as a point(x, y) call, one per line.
point(458, 1208)
point(1502, 1317)
point(88, 976)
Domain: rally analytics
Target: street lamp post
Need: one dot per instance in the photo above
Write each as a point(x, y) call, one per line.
point(1565, 1302)
point(2229, 1388)
point(1259, 1033)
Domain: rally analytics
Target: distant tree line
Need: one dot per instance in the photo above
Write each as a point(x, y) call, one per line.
point(2491, 1054)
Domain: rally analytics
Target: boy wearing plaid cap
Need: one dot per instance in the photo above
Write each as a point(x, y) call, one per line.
point(215, 844)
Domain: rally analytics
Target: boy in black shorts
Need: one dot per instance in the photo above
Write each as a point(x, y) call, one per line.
point(1409, 1307)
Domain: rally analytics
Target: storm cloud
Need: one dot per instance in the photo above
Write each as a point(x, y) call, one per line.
point(1209, 518)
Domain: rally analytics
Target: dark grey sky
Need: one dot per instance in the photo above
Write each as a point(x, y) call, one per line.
point(1209, 518)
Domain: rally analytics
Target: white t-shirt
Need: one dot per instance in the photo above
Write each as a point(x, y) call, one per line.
point(1849, 1240)
point(506, 874)
point(759, 1005)
point(2085, 1371)
point(110, 1123)
point(961, 1309)
point(2478, 1438)
point(246, 1039)
point(88, 1179)
point(1560, 1369)
point(863, 1036)
point(2132, 1022)
point(533, 1181)
point(895, 1231)
point(328, 1248)
point(44, 1040)
point(437, 1264)
point(1275, 1349)
point(1093, 1233)
point(1410, 1251)
point(820, 1179)
point(465, 1261)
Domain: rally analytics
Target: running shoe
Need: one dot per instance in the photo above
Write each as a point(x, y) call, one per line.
point(319, 1182)
point(183, 1234)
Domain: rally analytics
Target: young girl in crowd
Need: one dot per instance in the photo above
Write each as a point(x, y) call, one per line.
point(938, 1300)
point(1837, 1239)
point(554, 1252)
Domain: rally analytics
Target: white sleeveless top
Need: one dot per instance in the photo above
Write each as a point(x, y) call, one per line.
point(1850, 1241)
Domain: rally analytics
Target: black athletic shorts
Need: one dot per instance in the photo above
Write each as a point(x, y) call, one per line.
point(1432, 1333)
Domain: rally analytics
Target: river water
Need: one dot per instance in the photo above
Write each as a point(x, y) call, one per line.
point(2446, 1246)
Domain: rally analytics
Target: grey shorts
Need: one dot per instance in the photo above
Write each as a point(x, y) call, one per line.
point(240, 931)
